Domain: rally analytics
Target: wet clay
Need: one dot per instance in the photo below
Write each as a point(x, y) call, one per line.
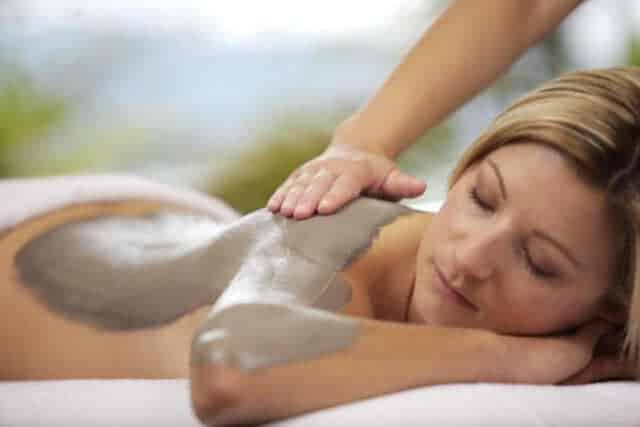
point(271, 313)
point(273, 280)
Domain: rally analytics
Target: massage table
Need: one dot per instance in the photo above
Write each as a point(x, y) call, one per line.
point(135, 402)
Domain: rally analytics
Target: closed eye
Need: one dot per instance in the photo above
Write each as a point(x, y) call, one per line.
point(473, 193)
point(530, 265)
point(535, 269)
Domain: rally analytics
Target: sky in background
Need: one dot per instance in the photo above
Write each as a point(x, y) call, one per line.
point(237, 21)
point(227, 75)
point(590, 32)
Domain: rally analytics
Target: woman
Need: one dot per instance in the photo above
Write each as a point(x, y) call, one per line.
point(529, 262)
point(536, 238)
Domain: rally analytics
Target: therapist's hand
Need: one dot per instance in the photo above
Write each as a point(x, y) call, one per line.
point(340, 174)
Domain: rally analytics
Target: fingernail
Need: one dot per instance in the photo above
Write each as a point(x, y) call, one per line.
point(286, 207)
point(300, 212)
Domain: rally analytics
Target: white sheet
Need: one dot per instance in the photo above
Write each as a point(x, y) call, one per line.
point(159, 403)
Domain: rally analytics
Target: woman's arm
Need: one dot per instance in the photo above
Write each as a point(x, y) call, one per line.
point(383, 358)
point(465, 50)
point(266, 351)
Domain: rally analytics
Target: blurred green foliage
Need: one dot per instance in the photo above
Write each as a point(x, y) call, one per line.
point(25, 115)
point(250, 179)
point(87, 149)
point(634, 50)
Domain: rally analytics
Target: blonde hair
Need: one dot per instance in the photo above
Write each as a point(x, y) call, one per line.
point(593, 118)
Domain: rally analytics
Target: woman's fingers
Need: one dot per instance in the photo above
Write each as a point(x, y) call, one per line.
point(562, 359)
point(604, 368)
point(589, 334)
point(607, 362)
point(584, 343)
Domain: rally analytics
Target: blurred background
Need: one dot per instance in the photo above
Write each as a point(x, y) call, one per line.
point(229, 96)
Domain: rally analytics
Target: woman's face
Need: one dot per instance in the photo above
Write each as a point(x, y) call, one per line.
point(521, 246)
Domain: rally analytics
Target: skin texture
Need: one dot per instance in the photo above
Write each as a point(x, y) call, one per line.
point(488, 249)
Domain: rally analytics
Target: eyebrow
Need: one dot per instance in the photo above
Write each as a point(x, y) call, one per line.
point(537, 233)
point(503, 190)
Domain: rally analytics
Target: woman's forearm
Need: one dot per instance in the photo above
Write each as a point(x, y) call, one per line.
point(465, 50)
point(385, 357)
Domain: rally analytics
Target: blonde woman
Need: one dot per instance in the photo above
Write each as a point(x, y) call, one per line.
point(528, 267)
point(530, 264)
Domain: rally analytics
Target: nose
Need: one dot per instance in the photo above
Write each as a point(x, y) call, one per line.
point(478, 254)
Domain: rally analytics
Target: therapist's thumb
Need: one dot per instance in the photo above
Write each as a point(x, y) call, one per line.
point(398, 184)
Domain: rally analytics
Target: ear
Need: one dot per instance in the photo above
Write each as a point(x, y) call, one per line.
point(612, 312)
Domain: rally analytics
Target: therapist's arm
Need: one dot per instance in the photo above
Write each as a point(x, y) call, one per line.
point(465, 50)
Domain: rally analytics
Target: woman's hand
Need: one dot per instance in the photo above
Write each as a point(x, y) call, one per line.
point(339, 175)
point(607, 363)
point(559, 359)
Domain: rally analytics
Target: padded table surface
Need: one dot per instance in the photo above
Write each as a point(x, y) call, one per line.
point(159, 403)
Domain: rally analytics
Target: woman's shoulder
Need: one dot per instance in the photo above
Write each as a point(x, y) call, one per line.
point(391, 255)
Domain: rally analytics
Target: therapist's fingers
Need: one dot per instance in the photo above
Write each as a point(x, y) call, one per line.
point(292, 190)
point(291, 199)
point(355, 171)
point(276, 199)
point(284, 199)
point(316, 189)
point(345, 188)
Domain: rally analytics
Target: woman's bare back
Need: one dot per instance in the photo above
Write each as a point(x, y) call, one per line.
point(116, 286)
point(48, 333)
point(40, 341)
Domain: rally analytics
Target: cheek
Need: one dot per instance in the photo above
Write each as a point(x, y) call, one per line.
point(533, 310)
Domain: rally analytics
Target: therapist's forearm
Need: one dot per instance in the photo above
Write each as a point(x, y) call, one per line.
point(465, 50)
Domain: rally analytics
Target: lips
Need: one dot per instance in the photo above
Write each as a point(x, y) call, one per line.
point(444, 285)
